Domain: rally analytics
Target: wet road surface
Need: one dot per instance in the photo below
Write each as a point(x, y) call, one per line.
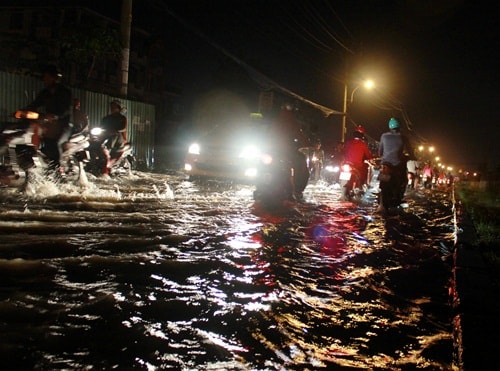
point(152, 272)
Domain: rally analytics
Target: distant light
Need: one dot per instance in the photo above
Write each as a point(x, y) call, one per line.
point(188, 167)
point(369, 84)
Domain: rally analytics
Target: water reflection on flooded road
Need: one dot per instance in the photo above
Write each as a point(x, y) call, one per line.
point(155, 272)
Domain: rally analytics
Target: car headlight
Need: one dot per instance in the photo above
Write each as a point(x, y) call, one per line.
point(194, 149)
point(249, 152)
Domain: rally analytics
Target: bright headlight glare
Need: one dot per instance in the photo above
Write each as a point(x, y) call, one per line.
point(332, 169)
point(251, 172)
point(96, 131)
point(249, 152)
point(194, 149)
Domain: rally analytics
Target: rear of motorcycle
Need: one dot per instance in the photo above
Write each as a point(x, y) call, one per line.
point(274, 180)
point(392, 186)
point(74, 157)
point(350, 182)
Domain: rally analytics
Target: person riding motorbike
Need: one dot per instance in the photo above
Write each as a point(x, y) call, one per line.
point(316, 161)
point(356, 151)
point(288, 137)
point(115, 125)
point(80, 120)
point(55, 101)
point(394, 150)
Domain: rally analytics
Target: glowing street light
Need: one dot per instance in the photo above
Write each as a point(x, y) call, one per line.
point(368, 84)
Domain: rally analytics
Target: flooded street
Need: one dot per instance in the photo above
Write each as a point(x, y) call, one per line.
point(153, 272)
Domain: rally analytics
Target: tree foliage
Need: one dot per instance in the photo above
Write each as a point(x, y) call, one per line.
point(85, 44)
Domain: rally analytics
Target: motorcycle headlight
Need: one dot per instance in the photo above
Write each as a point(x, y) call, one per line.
point(332, 169)
point(194, 149)
point(96, 131)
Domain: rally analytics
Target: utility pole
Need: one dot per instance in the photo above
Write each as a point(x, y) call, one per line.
point(126, 25)
point(344, 114)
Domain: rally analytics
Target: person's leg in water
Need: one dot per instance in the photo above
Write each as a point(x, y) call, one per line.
point(301, 174)
point(50, 149)
point(114, 152)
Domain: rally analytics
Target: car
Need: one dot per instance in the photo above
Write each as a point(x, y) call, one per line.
point(229, 152)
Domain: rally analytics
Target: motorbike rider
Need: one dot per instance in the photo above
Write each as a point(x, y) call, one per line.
point(55, 101)
point(412, 168)
point(356, 151)
point(80, 120)
point(317, 160)
point(395, 149)
point(288, 137)
point(115, 126)
point(427, 174)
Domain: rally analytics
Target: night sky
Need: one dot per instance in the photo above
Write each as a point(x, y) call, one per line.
point(434, 62)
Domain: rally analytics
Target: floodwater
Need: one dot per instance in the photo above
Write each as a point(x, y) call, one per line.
point(151, 271)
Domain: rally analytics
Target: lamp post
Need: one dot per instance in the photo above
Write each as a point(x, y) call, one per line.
point(368, 84)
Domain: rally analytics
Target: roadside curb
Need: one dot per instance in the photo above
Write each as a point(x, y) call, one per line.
point(475, 302)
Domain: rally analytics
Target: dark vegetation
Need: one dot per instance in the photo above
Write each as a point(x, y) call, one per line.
point(482, 204)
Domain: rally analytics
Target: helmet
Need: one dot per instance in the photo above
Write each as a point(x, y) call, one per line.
point(360, 129)
point(393, 123)
point(116, 102)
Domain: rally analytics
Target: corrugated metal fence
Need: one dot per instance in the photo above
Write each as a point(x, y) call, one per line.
point(17, 91)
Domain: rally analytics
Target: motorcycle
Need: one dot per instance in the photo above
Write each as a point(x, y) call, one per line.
point(281, 176)
point(351, 184)
point(331, 170)
point(100, 152)
point(314, 163)
point(21, 145)
point(392, 186)
point(274, 180)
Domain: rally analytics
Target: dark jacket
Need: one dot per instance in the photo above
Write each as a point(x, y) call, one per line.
point(114, 122)
point(55, 100)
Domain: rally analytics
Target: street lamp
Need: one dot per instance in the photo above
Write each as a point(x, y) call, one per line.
point(368, 84)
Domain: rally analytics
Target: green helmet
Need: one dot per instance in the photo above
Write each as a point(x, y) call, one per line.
point(393, 123)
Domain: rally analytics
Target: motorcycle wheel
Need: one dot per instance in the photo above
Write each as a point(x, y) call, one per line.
point(390, 195)
point(346, 190)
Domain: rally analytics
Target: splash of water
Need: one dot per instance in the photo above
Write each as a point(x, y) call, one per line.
point(167, 194)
